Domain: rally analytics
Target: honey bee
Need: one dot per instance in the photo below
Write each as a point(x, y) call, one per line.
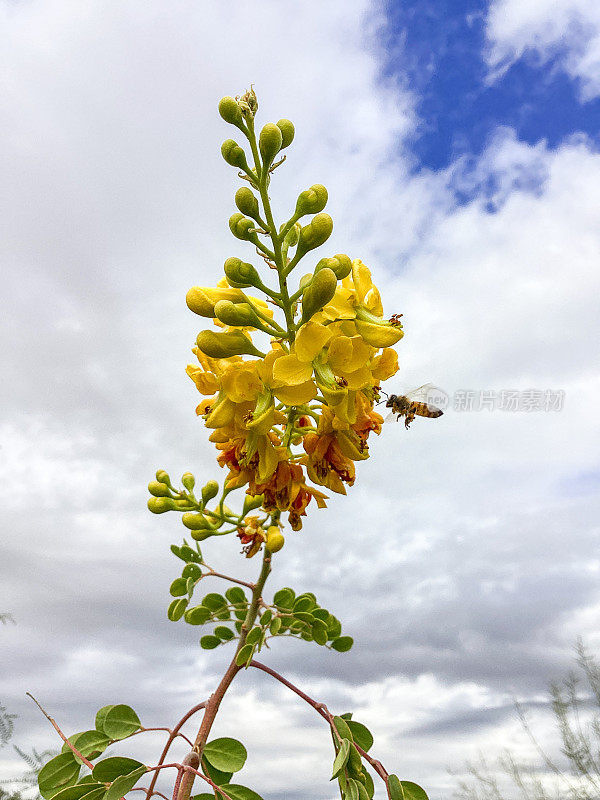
point(415, 403)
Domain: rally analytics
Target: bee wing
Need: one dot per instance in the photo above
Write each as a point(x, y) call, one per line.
point(429, 395)
point(391, 417)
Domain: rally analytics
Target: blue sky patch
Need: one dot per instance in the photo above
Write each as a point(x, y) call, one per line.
point(439, 45)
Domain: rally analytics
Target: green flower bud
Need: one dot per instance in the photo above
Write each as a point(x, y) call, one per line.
point(230, 111)
point(183, 502)
point(287, 132)
point(241, 227)
point(195, 522)
point(291, 237)
point(224, 345)
point(209, 490)
point(275, 539)
point(247, 202)
point(340, 264)
point(269, 143)
point(305, 280)
point(158, 505)
point(318, 293)
point(235, 314)
point(240, 275)
point(163, 477)
point(188, 481)
point(234, 155)
point(312, 200)
point(158, 489)
point(315, 233)
point(251, 502)
point(200, 536)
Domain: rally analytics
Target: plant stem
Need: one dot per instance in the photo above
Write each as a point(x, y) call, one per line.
point(214, 701)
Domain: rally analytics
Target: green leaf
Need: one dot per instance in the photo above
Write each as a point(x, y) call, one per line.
point(238, 626)
point(214, 601)
point(86, 779)
point(61, 771)
point(244, 655)
point(413, 791)
point(124, 784)
point(225, 614)
point(284, 598)
point(266, 617)
point(237, 792)
point(341, 758)
point(240, 613)
point(190, 583)
point(188, 554)
point(352, 789)
point(363, 794)
point(362, 735)
point(305, 616)
point(197, 615)
point(177, 552)
point(192, 571)
point(109, 769)
point(209, 642)
point(369, 786)
point(215, 774)
point(319, 632)
point(100, 716)
point(342, 644)
point(302, 604)
point(78, 791)
point(227, 755)
point(395, 788)
point(334, 627)
point(321, 613)
point(342, 728)
point(90, 744)
point(226, 634)
point(120, 722)
point(203, 796)
point(275, 626)
point(236, 595)
point(178, 588)
point(177, 608)
point(254, 635)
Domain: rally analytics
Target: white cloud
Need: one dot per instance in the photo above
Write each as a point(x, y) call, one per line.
point(477, 528)
point(569, 29)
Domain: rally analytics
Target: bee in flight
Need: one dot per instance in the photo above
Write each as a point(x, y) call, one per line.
point(414, 403)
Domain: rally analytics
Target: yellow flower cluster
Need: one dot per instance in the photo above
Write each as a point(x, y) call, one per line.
point(304, 410)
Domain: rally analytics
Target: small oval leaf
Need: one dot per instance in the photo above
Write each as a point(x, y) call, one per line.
point(342, 644)
point(197, 615)
point(109, 769)
point(226, 755)
point(90, 744)
point(244, 655)
point(120, 722)
point(176, 609)
point(209, 642)
point(395, 788)
point(100, 716)
point(362, 735)
point(412, 791)
point(223, 633)
point(178, 588)
point(236, 595)
point(214, 601)
point(341, 758)
point(120, 786)
point(60, 771)
point(284, 598)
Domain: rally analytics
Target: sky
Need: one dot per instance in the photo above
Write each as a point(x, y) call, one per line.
point(459, 144)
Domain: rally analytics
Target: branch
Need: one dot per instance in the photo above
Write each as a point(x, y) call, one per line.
point(187, 768)
point(322, 709)
point(61, 734)
point(169, 742)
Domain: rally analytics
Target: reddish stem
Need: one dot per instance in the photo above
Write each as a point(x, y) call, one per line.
point(170, 741)
point(61, 734)
point(322, 709)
